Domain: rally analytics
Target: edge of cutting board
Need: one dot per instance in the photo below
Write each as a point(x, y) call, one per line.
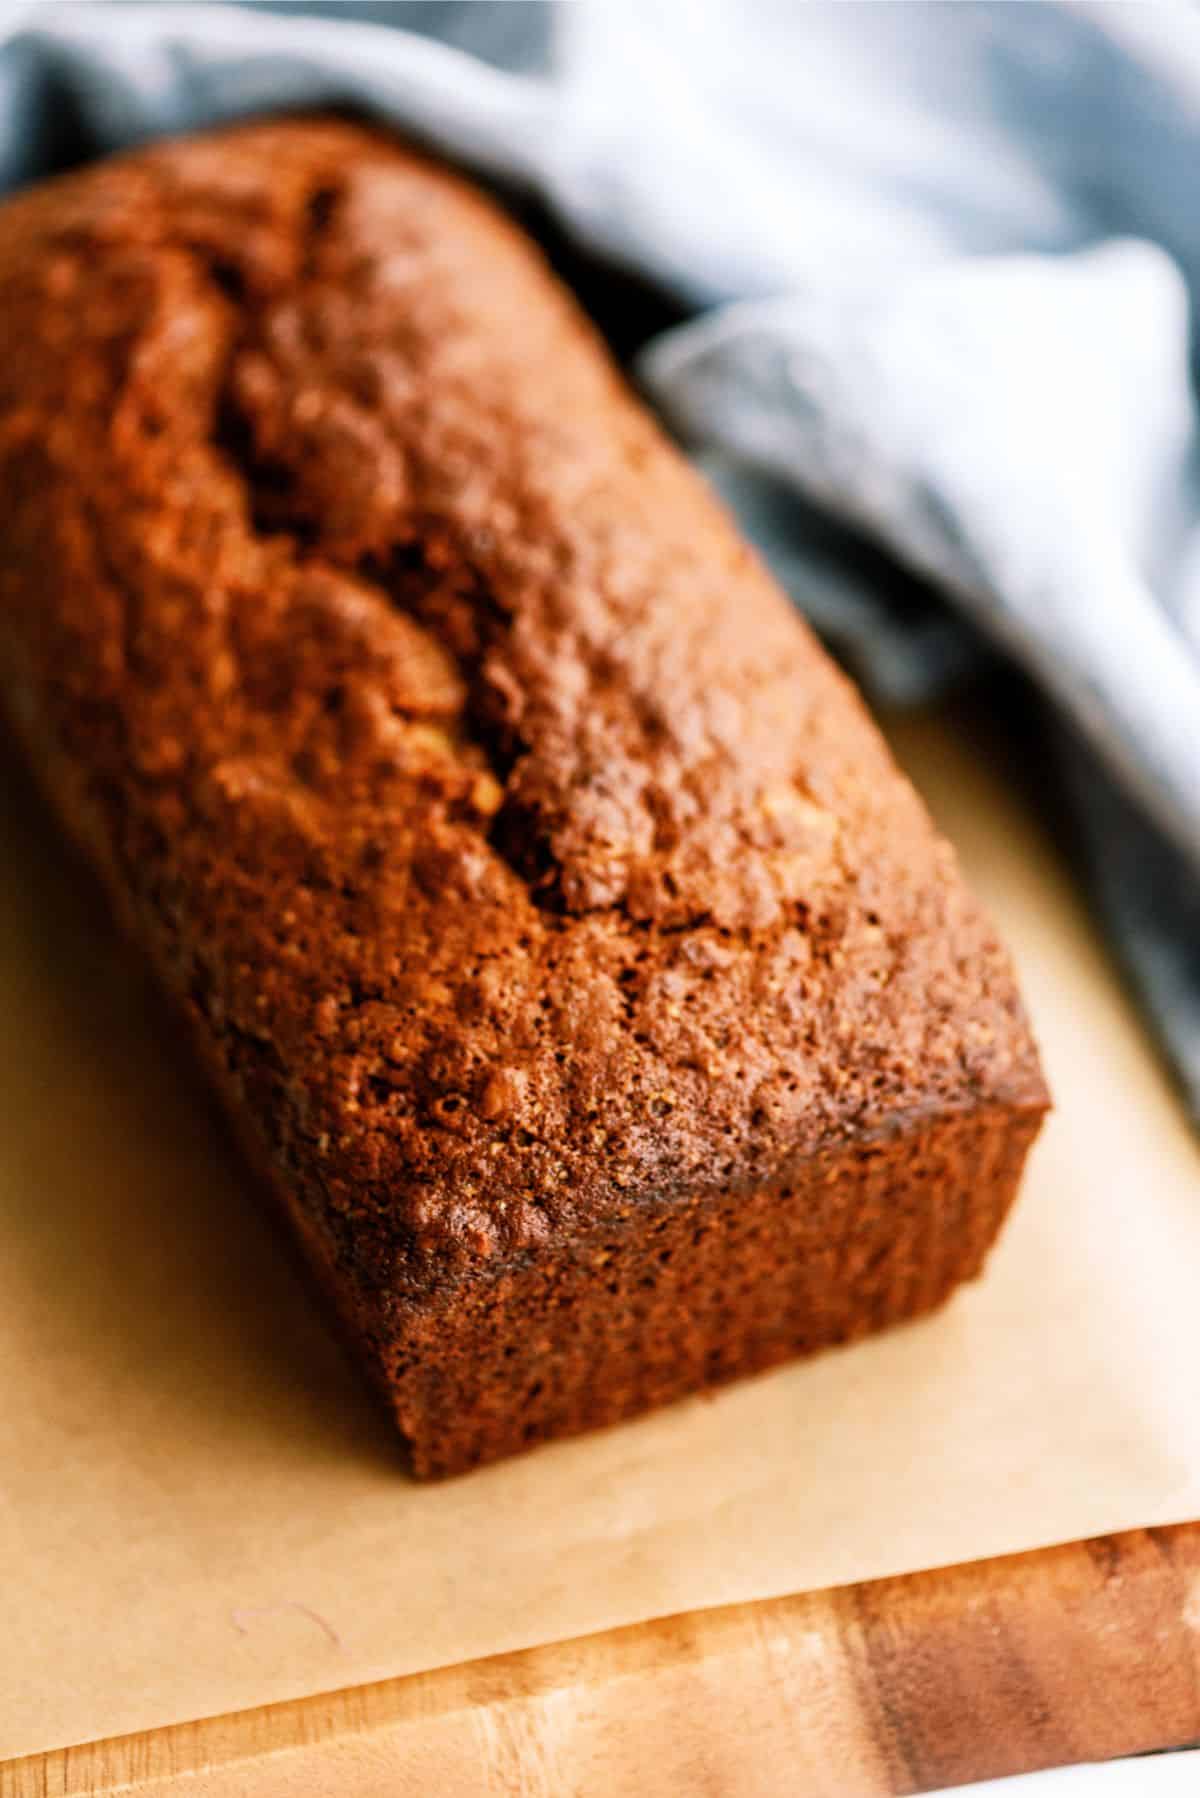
point(1083, 1652)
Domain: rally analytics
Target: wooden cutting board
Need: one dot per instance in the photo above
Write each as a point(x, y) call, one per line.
point(1080, 1652)
point(1077, 1653)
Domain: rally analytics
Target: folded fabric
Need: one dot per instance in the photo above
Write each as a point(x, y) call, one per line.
point(940, 266)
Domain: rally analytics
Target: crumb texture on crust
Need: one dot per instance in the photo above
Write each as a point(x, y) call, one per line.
point(518, 853)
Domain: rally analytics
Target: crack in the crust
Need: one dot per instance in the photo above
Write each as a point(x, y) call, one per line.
point(320, 212)
point(425, 574)
point(452, 599)
point(444, 593)
point(409, 581)
point(268, 483)
point(447, 595)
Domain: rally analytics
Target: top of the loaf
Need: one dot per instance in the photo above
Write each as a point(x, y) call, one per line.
point(526, 858)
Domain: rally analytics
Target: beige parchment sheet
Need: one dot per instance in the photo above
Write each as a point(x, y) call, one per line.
point(199, 1510)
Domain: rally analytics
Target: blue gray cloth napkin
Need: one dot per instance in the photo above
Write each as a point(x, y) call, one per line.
point(937, 266)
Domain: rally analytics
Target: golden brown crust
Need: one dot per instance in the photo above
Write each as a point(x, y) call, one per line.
point(524, 864)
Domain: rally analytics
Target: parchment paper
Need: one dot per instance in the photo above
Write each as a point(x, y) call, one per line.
point(199, 1510)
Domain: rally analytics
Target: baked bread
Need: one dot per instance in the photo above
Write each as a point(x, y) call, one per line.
point(596, 996)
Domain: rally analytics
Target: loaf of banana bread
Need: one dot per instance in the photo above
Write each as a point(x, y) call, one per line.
point(595, 995)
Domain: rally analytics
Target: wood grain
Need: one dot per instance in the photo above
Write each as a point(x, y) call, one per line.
point(1077, 1653)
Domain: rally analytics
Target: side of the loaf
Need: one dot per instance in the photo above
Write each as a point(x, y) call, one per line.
point(549, 914)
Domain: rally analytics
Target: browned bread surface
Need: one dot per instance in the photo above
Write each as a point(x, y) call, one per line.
point(531, 880)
